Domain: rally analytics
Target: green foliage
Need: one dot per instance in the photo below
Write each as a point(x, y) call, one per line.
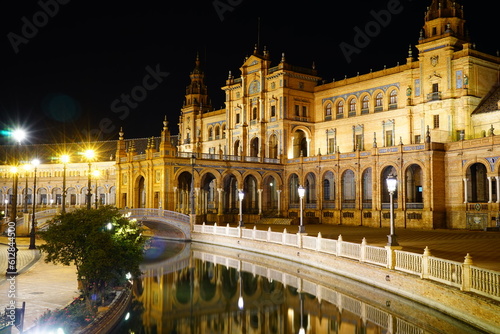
point(72, 317)
point(103, 245)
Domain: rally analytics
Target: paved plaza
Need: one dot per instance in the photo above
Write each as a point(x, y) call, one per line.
point(46, 286)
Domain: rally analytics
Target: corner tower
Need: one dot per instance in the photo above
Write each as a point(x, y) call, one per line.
point(196, 102)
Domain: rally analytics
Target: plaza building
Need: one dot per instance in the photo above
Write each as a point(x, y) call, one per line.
point(429, 122)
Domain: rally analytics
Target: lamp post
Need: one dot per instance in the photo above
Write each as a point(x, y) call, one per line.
point(19, 135)
point(302, 192)
point(35, 164)
point(89, 154)
point(391, 187)
point(241, 196)
point(6, 201)
point(64, 159)
point(96, 175)
point(193, 161)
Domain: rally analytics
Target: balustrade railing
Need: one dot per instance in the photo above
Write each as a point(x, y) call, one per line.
point(464, 275)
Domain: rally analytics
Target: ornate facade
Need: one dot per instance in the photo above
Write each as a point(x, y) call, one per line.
point(429, 121)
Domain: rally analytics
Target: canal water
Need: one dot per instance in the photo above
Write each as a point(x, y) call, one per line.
point(194, 288)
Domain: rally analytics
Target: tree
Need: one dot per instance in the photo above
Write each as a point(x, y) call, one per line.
point(103, 244)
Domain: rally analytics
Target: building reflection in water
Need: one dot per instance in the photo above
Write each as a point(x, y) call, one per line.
point(205, 290)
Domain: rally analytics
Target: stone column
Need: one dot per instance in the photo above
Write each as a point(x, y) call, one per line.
point(176, 202)
point(259, 191)
point(220, 207)
point(490, 190)
point(279, 200)
point(465, 191)
point(497, 178)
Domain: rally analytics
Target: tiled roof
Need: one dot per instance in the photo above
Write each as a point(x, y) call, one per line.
point(489, 103)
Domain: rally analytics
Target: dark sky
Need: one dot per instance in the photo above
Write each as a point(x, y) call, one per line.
point(67, 66)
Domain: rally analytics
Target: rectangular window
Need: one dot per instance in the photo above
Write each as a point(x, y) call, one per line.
point(436, 121)
point(331, 145)
point(297, 110)
point(237, 118)
point(388, 138)
point(304, 111)
point(417, 139)
point(273, 111)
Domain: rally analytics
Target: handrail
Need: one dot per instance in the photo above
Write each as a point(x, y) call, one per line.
point(464, 275)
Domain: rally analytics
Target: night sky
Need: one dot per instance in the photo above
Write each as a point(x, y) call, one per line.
point(68, 66)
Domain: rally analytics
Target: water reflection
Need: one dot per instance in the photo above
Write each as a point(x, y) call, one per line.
point(205, 289)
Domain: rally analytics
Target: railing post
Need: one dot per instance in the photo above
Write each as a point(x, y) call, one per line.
point(318, 242)
point(362, 251)
point(425, 263)
point(467, 273)
point(268, 237)
point(254, 230)
point(391, 256)
point(283, 236)
point(339, 245)
point(214, 229)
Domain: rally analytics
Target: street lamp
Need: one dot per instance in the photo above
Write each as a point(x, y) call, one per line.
point(64, 159)
point(302, 192)
point(392, 182)
point(35, 164)
point(89, 154)
point(193, 161)
point(241, 195)
point(6, 201)
point(96, 175)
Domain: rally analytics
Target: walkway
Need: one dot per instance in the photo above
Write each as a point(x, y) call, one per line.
point(41, 285)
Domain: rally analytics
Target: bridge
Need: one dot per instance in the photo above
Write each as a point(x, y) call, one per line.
point(173, 224)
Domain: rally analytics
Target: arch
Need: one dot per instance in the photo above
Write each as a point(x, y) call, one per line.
point(384, 195)
point(393, 99)
point(339, 108)
point(379, 101)
point(348, 184)
point(236, 148)
point(230, 193)
point(310, 186)
point(140, 192)
point(353, 102)
point(477, 183)
point(217, 132)
point(273, 146)
point(270, 187)
point(414, 182)
point(366, 190)
point(251, 199)
point(328, 109)
point(328, 190)
point(208, 199)
point(183, 192)
point(210, 133)
point(300, 144)
point(223, 130)
point(254, 147)
point(293, 186)
point(365, 103)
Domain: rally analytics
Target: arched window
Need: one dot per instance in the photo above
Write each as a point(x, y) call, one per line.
point(310, 186)
point(365, 104)
point(217, 132)
point(379, 98)
point(348, 190)
point(414, 187)
point(385, 193)
point(328, 191)
point(293, 183)
point(477, 183)
point(393, 99)
point(223, 130)
point(340, 109)
point(352, 105)
point(210, 134)
point(328, 109)
point(254, 113)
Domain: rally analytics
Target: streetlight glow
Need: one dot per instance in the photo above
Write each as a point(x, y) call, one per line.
point(19, 135)
point(302, 191)
point(241, 196)
point(392, 183)
point(35, 162)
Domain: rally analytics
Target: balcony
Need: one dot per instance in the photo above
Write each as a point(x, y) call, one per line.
point(434, 96)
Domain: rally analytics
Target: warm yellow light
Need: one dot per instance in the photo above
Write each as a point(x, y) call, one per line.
point(89, 154)
point(96, 173)
point(64, 158)
point(27, 167)
point(35, 162)
point(13, 170)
